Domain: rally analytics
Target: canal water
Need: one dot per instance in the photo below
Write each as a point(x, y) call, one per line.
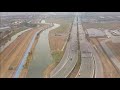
point(12, 39)
point(41, 56)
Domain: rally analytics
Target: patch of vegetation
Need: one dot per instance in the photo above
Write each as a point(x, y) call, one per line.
point(18, 30)
point(29, 58)
point(29, 24)
point(57, 56)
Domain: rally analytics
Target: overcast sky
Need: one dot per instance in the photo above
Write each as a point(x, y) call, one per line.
point(29, 13)
point(55, 13)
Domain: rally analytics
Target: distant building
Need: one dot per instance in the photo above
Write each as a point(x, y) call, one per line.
point(115, 36)
point(115, 32)
point(42, 21)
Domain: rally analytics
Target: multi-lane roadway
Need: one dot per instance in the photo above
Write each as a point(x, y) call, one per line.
point(91, 66)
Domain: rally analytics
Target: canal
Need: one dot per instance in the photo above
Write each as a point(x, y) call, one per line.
point(41, 56)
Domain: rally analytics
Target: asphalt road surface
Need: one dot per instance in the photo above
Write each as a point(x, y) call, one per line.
point(91, 66)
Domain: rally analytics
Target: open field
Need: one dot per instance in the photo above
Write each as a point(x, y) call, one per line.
point(115, 47)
